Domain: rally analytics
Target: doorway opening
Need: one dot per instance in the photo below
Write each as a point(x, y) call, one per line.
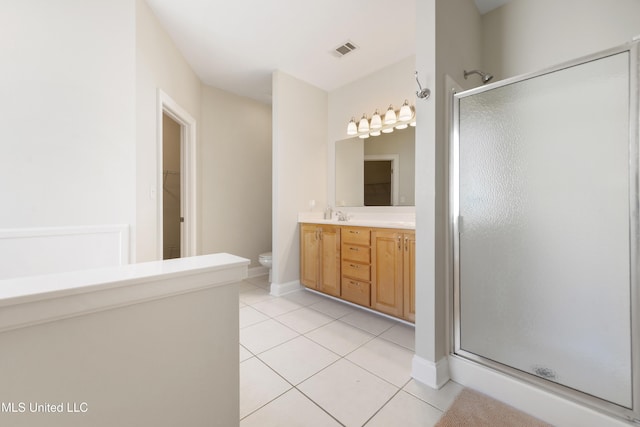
point(171, 201)
point(176, 147)
point(380, 183)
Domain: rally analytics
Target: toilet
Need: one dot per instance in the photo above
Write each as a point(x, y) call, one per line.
point(266, 260)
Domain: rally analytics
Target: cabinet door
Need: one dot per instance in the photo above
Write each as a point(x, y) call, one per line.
point(409, 276)
point(330, 260)
point(309, 256)
point(386, 278)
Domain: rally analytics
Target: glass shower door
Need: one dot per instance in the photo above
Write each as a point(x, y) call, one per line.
point(544, 200)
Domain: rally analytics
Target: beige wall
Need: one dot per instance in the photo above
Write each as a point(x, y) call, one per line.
point(448, 43)
point(233, 151)
point(166, 362)
point(235, 171)
point(159, 65)
point(349, 172)
point(299, 167)
point(67, 156)
point(426, 326)
point(529, 35)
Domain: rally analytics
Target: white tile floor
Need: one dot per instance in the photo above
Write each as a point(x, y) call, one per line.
point(307, 360)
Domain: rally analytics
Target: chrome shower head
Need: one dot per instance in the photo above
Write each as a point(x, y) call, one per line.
point(486, 77)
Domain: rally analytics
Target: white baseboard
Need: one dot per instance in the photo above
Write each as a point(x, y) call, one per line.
point(528, 398)
point(434, 375)
point(257, 271)
point(279, 289)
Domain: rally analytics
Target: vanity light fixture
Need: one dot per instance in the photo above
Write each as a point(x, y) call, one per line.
point(378, 125)
point(404, 116)
point(401, 119)
point(352, 128)
point(390, 116)
point(363, 126)
point(405, 112)
point(376, 121)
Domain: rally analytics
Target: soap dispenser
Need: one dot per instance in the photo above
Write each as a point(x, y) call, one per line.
point(328, 213)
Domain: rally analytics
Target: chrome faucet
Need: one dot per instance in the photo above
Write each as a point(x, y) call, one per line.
point(342, 216)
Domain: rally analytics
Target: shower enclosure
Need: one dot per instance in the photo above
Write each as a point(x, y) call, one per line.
point(544, 202)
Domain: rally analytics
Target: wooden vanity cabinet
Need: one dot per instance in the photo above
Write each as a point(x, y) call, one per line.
point(409, 276)
point(372, 267)
point(393, 273)
point(356, 265)
point(320, 258)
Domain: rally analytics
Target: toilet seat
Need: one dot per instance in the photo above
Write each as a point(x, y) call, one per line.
point(265, 256)
point(266, 261)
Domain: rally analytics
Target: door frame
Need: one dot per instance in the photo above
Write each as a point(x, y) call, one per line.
point(188, 237)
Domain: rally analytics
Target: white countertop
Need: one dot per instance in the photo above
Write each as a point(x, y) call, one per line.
point(359, 219)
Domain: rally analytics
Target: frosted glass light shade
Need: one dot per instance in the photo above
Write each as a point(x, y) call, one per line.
point(405, 112)
point(376, 121)
point(387, 130)
point(390, 116)
point(363, 126)
point(402, 126)
point(352, 128)
point(375, 133)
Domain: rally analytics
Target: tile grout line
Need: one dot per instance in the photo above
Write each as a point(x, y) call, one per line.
point(318, 405)
point(380, 408)
point(340, 357)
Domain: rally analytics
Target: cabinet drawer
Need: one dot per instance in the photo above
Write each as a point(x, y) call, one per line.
point(356, 253)
point(356, 235)
point(356, 271)
point(356, 291)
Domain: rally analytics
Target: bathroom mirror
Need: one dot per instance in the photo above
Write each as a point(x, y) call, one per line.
point(376, 171)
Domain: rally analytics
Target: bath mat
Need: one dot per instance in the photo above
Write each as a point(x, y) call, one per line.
point(474, 409)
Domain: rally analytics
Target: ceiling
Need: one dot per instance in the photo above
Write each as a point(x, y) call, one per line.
point(236, 45)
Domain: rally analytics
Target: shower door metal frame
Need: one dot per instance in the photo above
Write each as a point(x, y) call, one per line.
point(633, 413)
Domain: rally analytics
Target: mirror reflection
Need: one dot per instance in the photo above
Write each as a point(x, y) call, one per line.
point(377, 171)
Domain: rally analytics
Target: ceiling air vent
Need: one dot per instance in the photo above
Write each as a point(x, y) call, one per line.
point(345, 48)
